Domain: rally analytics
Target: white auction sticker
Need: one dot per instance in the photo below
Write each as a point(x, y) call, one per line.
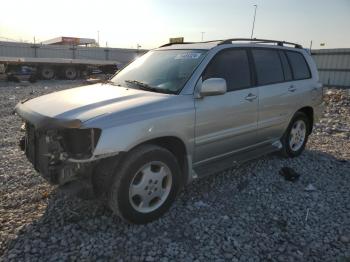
point(188, 56)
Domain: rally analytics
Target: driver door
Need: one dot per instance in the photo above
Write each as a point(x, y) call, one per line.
point(227, 123)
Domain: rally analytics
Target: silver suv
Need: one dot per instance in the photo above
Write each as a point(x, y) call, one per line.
point(179, 112)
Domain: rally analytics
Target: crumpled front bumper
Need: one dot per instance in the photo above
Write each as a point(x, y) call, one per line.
point(46, 154)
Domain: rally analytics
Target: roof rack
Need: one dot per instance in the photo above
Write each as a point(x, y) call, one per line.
point(184, 43)
point(259, 41)
point(230, 40)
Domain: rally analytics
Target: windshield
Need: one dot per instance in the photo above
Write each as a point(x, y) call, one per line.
point(164, 71)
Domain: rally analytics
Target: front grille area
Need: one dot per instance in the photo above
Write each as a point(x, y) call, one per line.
point(30, 145)
point(39, 151)
point(36, 149)
point(44, 150)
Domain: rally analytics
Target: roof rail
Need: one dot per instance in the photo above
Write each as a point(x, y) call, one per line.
point(230, 40)
point(261, 41)
point(184, 43)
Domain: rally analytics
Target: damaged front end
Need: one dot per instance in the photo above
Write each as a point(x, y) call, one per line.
point(61, 154)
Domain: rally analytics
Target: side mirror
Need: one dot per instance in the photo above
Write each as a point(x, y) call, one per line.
point(213, 87)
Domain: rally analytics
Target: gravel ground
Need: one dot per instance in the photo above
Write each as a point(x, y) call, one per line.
point(248, 214)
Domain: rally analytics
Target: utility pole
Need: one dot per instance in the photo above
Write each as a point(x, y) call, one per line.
point(202, 35)
point(251, 36)
point(98, 37)
point(138, 46)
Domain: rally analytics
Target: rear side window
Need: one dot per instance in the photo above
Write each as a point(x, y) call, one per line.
point(286, 68)
point(268, 66)
point(233, 66)
point(299, 65)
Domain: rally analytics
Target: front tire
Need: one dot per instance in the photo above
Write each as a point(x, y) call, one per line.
point(145, 185)
point(295, 138)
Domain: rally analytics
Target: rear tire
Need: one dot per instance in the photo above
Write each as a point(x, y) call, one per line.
point(295, 138)
point(47, 73)
point(145, 185)
point(70, 73)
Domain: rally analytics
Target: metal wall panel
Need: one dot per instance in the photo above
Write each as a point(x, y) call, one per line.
point(16, 50)
point(121, 56)
point(125, 56)
point(54, 52)
point(93, 53)
point(333, 66)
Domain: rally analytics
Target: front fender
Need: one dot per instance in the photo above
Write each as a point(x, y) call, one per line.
point(122, 138)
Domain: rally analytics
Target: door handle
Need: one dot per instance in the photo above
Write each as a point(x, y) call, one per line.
point(292, 88)
point(250, 97)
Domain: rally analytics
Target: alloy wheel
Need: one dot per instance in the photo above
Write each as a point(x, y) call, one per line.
point(297, 135)
point(150, 187)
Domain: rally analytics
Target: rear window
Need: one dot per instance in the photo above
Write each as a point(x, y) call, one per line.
point(268, 66)
point(233, 66)
point(299, 65)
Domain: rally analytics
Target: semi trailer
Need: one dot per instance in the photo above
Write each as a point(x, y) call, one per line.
point(47, 62)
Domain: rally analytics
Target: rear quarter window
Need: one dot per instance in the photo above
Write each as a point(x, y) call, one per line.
point(299, 66)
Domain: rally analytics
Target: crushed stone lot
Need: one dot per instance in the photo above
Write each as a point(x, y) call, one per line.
point(250, 213)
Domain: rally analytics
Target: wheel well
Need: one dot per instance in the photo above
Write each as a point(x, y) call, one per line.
point(177, 148)
point(309, 112)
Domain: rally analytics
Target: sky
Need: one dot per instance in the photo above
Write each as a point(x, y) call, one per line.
point(150, 23)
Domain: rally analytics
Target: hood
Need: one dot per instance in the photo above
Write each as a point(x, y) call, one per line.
point(69, 108)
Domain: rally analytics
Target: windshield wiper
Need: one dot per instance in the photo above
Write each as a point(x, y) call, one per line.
point(147, 87)
point(109, 81)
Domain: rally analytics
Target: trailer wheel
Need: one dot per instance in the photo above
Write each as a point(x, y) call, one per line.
point(47, 73)
point(70, 73)
point(84, 73)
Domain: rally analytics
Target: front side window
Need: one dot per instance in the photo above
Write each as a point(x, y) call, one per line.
point(299, 65)
point(268, 66)
point(233, 66)
point(164, 71)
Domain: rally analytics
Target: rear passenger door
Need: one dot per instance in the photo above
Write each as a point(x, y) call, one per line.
point(302, 83)
point(226, 123)
point(273, 76)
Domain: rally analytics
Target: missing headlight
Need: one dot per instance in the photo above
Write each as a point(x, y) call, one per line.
point(80, 143)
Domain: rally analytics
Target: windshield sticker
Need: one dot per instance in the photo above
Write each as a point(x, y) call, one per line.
point(188, 56)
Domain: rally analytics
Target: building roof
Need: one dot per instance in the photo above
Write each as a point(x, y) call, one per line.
point(64, 40)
